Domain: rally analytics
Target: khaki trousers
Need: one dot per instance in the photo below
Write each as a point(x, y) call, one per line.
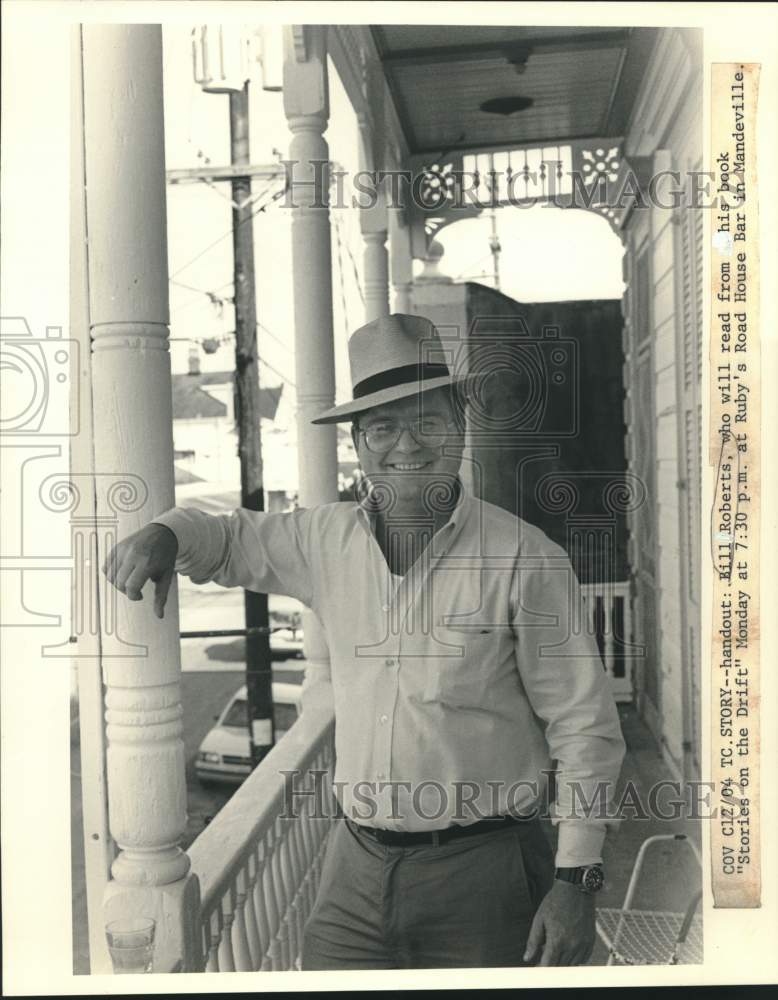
point(465, 903)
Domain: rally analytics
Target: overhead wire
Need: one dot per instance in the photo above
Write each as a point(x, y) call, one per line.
point(353, 261)
point(278, 340)
point(224, 337)
point(278, 194)
point(266, 363)
point(200, 291)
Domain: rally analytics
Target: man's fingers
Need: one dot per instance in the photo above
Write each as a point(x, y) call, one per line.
point(161, 588)
point(551, 954)
point(585, 953)
point(133, 583)
point(535, 938)
point(553, 946)
point(569, 956)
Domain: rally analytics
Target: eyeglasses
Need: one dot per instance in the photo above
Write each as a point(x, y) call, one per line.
point(382, 435)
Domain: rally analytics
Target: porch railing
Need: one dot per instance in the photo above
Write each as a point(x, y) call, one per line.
point(259, 860)
point(609, 620)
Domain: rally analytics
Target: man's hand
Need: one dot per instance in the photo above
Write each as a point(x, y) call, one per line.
point(149, 554)
point(563, 927)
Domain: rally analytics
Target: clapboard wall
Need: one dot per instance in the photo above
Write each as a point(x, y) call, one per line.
point(663, 354)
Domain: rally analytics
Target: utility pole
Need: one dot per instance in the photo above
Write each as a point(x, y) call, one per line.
point(259, 678)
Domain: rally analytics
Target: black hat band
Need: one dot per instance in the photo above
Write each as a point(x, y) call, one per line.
point(400, 376)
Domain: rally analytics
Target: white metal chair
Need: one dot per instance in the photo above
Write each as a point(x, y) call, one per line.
point(652, 937)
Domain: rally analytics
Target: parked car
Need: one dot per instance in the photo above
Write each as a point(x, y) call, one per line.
point(224, 754)
point(287, 644)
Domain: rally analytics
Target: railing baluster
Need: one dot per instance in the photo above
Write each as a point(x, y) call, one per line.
point(296, 885)
point(308, 852)
point(300, 901)
point(274, 910)
point(282, 895)
point(214, 934)
point(240, 944)
point(320, 826)
point(261, 907)
point(252, 932)
point(226, 956)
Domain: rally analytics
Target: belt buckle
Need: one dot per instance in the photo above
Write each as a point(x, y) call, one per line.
point(370, 831)
point(373, 832)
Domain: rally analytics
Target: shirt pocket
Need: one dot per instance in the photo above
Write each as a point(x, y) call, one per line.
point(460, 677)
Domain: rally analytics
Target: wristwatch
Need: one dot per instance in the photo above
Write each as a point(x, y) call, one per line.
point(588, 878)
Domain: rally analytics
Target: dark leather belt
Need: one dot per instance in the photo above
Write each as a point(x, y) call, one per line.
point(399, 838)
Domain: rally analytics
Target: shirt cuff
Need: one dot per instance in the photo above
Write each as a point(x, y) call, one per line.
point(186, 536)
point(579, 843)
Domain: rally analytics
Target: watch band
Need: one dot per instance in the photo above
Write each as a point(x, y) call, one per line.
point(589, 878)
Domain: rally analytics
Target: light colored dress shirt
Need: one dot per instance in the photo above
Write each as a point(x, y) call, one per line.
point(454, 692)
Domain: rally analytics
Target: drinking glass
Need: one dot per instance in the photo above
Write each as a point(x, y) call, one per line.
point(131, 944)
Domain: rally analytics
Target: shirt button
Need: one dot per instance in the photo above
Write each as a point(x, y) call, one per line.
point(381, 777)
point(389, 662)
point(384, 718)
point(386, 607)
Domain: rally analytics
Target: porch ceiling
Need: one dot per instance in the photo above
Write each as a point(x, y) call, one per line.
point(582, 82)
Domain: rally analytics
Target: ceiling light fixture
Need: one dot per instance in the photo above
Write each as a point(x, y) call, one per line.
point(506, 105)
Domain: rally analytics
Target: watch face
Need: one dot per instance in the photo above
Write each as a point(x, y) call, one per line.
point(593, 879)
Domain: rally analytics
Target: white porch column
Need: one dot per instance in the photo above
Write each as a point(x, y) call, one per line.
point(376, 259)
point(374, 225)
point(401, 261)
point(133, 456)
point(306, 103)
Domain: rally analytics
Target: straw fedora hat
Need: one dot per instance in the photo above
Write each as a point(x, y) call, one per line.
point(391, 358)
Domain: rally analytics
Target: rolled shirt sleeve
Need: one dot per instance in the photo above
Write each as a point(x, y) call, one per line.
point(265, 552)
point(563, 675)
point(255, 550)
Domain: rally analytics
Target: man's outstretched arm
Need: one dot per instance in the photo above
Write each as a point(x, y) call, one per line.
point(148, 554)
point(257, 551)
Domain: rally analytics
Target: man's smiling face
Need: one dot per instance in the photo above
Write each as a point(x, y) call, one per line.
point(408, 467)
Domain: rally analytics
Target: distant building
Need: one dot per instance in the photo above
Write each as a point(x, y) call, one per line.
point(205, 435)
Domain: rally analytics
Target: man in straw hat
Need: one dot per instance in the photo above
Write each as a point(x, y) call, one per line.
point(456, 674)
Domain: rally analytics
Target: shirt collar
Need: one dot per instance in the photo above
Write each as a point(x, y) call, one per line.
point(451, 528)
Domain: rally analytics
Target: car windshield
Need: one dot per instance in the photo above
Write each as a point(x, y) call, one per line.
point(237, 715)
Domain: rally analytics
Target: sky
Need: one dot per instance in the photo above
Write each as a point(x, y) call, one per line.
point(547, 254)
